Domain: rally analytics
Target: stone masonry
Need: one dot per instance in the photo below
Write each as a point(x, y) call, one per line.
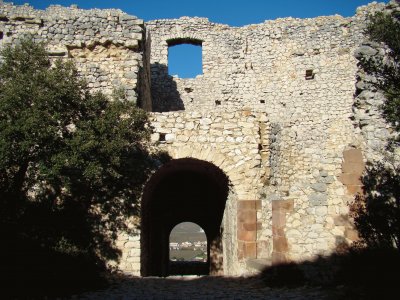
point(273, 110)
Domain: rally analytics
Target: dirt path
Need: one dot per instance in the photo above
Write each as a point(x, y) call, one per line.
point(200, 287)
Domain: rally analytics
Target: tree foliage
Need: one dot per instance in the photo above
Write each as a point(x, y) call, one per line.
point(72, 163)
point(384, 28)
point(377, 211)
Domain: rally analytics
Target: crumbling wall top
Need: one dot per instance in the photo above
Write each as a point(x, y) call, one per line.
point(74, 27)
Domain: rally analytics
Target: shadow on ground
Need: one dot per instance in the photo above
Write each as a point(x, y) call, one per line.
point(353, 274)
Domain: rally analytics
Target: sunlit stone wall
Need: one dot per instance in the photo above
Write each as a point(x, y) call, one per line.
point(273, 109)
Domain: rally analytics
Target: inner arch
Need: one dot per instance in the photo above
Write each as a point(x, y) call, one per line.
point(183, 190)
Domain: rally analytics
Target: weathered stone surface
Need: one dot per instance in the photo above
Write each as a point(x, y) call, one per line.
point(365, 51)
point(274, 110)
point(317, 199)
point(319, 187)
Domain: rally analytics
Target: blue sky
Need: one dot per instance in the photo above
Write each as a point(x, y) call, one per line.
point(231, 12)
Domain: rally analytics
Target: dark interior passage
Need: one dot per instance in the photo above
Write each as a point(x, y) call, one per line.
point(183, 190)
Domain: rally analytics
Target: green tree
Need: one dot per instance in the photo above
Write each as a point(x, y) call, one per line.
point(72, 163)
point(385, 28)
point(377, 211)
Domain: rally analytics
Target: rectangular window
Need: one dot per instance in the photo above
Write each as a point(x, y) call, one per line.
point(185, 58)
point(310, 74)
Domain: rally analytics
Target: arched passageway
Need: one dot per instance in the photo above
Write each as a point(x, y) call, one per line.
point(183, 190)
point(188, 250)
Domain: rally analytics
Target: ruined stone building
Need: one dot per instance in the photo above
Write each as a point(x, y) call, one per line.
point(267, 147)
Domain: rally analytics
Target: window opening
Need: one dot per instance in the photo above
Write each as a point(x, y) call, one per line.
point(188, 242)
point(185, 58)
point(310, 74)
point(162, 137)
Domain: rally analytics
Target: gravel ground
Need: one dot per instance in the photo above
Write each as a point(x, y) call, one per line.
point(200, 287)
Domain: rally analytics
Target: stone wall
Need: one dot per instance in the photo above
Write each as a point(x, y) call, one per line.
point(300, 75)
point(228, 140)
point(273, 109)
point(106, 45)
point(260, 66)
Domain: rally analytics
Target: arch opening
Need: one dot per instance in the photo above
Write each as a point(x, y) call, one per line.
point(183, 190)
point(188, 249)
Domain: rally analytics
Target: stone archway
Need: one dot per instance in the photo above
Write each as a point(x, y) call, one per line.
point(187, 190)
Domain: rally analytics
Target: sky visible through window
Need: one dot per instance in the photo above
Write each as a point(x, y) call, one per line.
point(181, 55)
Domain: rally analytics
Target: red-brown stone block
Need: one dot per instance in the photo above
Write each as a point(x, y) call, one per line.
point(280, 244)
point(278, 258)
point(353, 168)
point(350, 179)
point(250, 250)
point(353, 156)
point(247, 205)
point(354, 189)
point(250, 226)
point(245, 235)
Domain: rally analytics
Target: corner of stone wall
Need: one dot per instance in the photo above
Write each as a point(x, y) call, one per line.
point(144, 80)
point(367, 118)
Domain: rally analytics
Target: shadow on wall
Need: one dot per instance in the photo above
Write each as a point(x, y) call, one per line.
point(376, 212)
point(216, 257)
point(367, 269)
point(353, 273)
point(164, 91)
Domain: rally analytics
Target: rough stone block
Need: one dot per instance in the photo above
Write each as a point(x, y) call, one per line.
point(341, 220)
point(247, 204)
point(247, 216)
point(240, 249)
point(350, 179)
point(245, 235)
point(353, 167)
point(364, 51)
point(317, 199)
point(321, 210)
point(351, 234)
point(278, 219)
point(354, 189)
point(250, 250)
point(278, 231)
point(353, 156)
point(278, 258)
point(250, 226)
point(319, 187)
point(287, 205)
point(263, 249)
point(280, 244)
